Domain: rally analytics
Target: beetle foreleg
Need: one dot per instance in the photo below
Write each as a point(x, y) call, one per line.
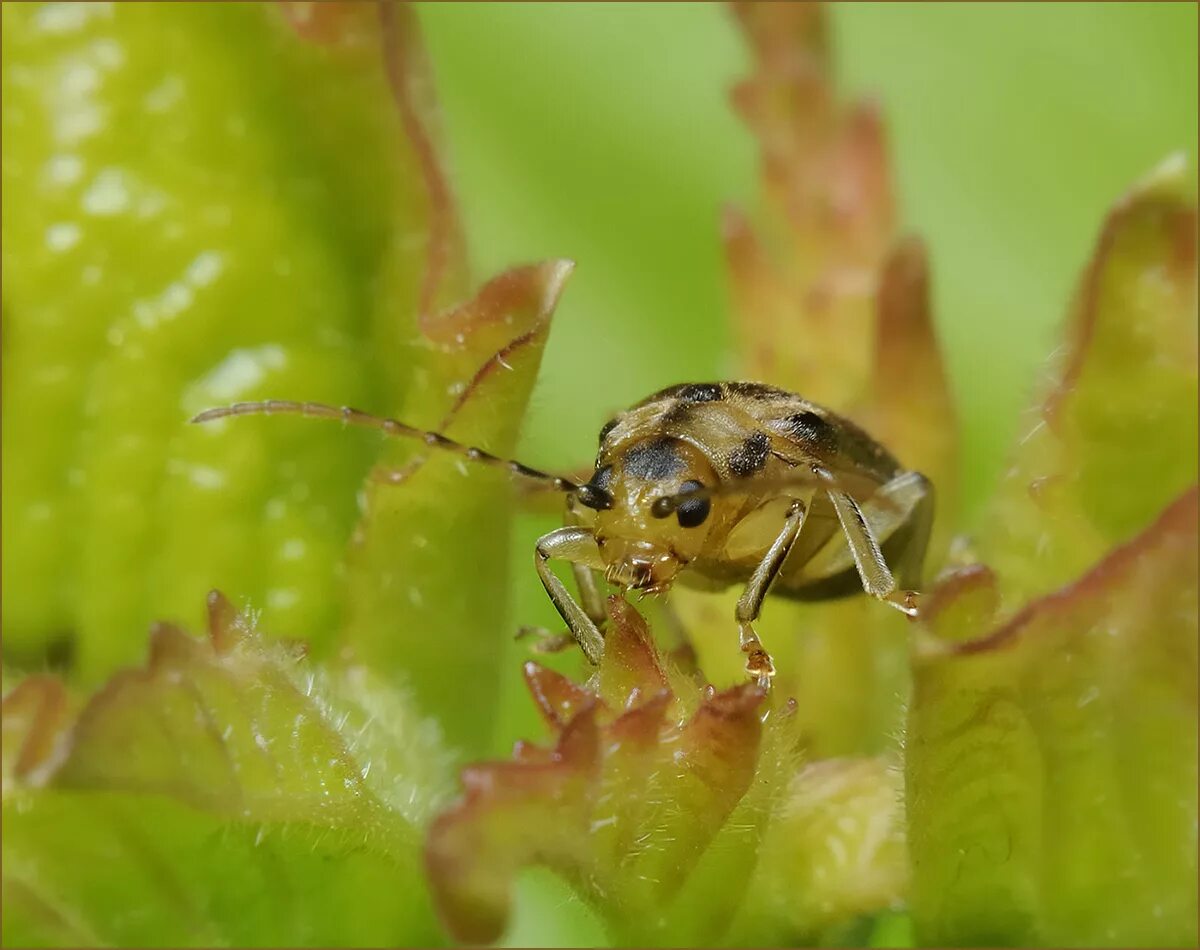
point(585, 578)
point(749, 605)
point(578, 547)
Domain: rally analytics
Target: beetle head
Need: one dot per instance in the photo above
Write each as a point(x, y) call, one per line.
point(642, 549)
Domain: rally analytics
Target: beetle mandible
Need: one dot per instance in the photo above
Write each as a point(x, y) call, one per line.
point(710, 485)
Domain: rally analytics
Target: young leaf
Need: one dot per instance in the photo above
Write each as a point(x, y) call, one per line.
point(214, 796)
point(671, 809)
point(1051, 764)
point(428, 569)
point(1116, 438)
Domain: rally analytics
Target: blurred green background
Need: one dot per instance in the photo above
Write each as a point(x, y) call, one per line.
point(604, 133)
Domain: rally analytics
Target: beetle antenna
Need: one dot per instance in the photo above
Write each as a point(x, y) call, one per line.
point(390, 427)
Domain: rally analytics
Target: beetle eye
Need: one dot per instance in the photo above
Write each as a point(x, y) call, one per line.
point(595, 498)
point(692, 512)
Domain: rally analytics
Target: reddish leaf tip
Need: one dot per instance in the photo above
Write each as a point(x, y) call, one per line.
point(631, 660)
point(223, 623)
point(34, 715)
point(557, 698)
point(579, 744)
point(1176, 528)
point(723, 737)
point(642, 724)
point(344, 24)
point(735, 701)
point(168, 643)
point(962, 602)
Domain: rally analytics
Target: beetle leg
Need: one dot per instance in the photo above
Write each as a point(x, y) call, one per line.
point(590, 597)
point(749, 605)
point(585, 578)
point(913, 493)
point(877, 579)
point(577, 546)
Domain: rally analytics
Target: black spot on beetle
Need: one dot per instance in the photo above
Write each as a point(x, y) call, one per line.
point(756, 391)
point(814, 430)
point(750, 456)
point(678, 414)
point(653, 459)
point(686, 392)
point(700, 392)
point(606, 429)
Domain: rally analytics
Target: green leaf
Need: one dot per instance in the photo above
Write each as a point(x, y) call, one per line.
point(428, 571)
point(289, 235)
point(184, 227)
point(1116, 437)
point(227, 793)
point(675, 811)
point(1051, 764)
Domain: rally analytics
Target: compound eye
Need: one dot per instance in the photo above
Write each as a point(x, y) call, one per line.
point(691, 512)
point(595, 498)
point(595, 494)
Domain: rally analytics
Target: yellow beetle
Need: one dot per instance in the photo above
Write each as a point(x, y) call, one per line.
point(710, 485)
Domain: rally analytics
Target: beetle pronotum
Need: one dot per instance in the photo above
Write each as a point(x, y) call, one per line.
point(714, 484)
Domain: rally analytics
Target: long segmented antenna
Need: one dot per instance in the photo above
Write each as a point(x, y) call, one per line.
point(391, 427)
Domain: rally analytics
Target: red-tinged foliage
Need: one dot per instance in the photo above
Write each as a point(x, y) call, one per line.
point(633, 790)
point(832, 302)
point(35, 715)
point(823, 263)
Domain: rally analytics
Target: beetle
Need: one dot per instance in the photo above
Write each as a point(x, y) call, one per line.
point(711, 485)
